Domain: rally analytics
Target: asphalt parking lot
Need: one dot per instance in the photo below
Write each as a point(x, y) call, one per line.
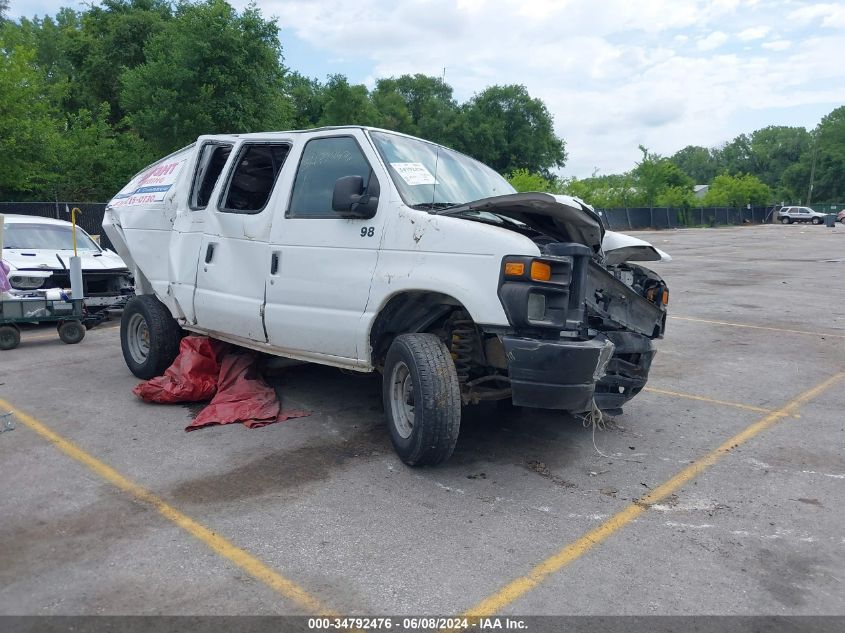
point(718, 491)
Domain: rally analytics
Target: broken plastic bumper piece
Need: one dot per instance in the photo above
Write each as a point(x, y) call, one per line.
point(556, 374)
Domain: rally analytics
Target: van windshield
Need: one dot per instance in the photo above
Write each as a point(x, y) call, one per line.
point(429, 176)
point(53, 237)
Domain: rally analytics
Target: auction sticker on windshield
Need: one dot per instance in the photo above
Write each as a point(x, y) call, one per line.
point(414, 173)
point(149, 186)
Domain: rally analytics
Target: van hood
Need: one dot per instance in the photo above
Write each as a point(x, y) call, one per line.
point(563, 218)
point(49, 259)
point(619, 248)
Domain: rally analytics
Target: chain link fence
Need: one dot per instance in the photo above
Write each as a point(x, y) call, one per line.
point(674, 218)
point(91, 218)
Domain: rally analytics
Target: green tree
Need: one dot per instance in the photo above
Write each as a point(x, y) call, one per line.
point(307, 98)
point(347, 104)
point(524, 180)
point(736, 156)
point(110, 39)
point(829, 176)
point(504, 127)
point(654, 174)
point(676, 197)
point(28, 121)
point(4, 9)
point(737, 191)
point(227, 80)
point(52, 39)
point(603, 192)
point(418, 105)
point(774, 149)
point(699, 163)
point(794, 182)
point(95, 160)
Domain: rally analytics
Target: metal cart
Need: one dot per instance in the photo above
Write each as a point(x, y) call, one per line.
point(69, 316)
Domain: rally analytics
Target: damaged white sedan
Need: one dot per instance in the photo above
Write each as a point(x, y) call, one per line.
point(376, 251)
point(38, 251)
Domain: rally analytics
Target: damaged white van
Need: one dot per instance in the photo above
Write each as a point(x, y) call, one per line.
point(375, 251)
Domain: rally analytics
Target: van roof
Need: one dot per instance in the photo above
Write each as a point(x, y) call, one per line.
point(324, 128)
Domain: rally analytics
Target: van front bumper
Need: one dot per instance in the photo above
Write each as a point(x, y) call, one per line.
point(556, 374)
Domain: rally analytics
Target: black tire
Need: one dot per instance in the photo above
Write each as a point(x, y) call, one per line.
point(10, 337)
point(149, 336)
point(71, 332)
point(843, 221)
point(419, 367)
point(816, 221)
point(786, 221)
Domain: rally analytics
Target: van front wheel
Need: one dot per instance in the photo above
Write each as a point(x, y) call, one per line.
point(149, 336)
point(422, 399)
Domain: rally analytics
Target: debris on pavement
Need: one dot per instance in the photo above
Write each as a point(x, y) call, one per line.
point(7, 423)
point(193, 375)
point(210, 369)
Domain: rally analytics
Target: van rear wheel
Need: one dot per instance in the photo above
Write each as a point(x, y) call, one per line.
point(149, 336)
point(422, 399)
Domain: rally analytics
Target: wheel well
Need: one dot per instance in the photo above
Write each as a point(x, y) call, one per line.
point(413, 311)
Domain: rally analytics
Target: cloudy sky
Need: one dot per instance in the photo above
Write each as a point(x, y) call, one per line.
point(614, 73)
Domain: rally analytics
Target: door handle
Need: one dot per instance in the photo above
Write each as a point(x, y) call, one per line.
point(274, 263)
point(209, 253)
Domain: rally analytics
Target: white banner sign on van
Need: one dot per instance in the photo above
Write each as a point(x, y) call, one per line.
point(149, 186)
point(414, 173)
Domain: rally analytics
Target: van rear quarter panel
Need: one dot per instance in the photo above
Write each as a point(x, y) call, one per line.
point(140, 222)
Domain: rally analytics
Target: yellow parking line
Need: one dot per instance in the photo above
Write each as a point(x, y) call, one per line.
point(221, 546)
point(757, 327)
point(689, 396)
point(573, 551)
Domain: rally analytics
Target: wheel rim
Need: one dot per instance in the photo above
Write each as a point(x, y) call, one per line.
point(138, 338)
point(402, 400)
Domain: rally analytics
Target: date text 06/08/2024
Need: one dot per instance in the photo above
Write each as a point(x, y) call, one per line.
point(416, 623)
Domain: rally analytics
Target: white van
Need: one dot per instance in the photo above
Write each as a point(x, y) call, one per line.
point(375, 251)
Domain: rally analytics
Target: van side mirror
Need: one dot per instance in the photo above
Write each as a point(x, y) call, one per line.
point(350, 200)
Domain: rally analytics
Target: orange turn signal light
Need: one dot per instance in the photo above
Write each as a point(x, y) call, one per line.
point(540, 271)
point(666, 297)
point(514, 269)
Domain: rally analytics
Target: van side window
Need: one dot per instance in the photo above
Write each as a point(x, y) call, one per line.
point(212, 159)
point(252, 179)
point(324, 160)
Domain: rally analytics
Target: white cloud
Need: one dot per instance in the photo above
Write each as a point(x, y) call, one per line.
point(754, 33)
point(832, 15)
point(712, 41)
point(777, 45)
point(616, 73)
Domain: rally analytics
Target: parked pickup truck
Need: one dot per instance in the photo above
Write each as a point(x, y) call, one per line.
point(371, 250)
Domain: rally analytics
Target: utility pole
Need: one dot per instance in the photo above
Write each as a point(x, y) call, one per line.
point(813, 168)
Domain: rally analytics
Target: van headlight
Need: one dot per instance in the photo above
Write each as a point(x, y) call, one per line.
point(545, 292)
point(25, 282)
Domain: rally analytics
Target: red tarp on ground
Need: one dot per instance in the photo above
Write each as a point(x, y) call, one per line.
point(206, 367)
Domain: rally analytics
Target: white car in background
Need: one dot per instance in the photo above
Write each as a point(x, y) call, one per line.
point(788, 215)
point(38, 251)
